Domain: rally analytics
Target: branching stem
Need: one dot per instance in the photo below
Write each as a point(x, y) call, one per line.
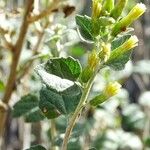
point(45, 12)
point(78, 110)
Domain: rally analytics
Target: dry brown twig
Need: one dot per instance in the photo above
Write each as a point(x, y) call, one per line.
point(35, 51)
point(45, 12)
point(3, 31)
point(6, 39)
point(7, 43)
point(16, 55)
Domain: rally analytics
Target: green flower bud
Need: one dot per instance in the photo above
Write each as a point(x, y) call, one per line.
point(117, 11)
point(108, 5)
point(93, 59)
point(86, 74)
point(98, 100)
point(133, 15)
point(129, 44)
point(110, 90)
point(125, 47)
point(96, 8)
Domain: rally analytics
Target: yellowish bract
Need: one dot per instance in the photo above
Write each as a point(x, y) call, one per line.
point(112, 89)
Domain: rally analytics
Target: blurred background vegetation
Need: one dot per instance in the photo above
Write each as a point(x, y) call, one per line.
point(122, 123)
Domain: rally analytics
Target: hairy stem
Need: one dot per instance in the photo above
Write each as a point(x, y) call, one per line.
point(78, 110)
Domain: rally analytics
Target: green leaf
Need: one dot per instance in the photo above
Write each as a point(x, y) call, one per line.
point(26, 104)
point(2, 87)
point(53, 103)
point(61, 94)
point(59, 73)
point(71, 97)
point(119, 62)
point(54, 82)
point(68, 68)
point(77, 51)
point(36, 147)
point(147, 142)
point(85, 27)
point(34, 116)
point(28, 108)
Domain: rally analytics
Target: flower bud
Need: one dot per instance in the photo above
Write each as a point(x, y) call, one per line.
point(117, 11)
point(98, 100)
point(86, 74)
point(136, 12)
point(96, 8)
point(112, 89)
point(125, 47)
point(105, 52)
point(108, 5)
point(93, 59)
point(133, 15)
point(129, 44)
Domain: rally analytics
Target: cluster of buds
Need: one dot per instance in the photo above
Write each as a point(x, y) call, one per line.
point(106, 13)
point(109, 9)
point(99, 18)
point(110, 90)
point(111, 13)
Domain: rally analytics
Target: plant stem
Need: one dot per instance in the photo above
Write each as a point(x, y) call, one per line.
point(16, 55)
point(53, 133)
point(45, 12)
point(25, 68)
point(78, 110)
